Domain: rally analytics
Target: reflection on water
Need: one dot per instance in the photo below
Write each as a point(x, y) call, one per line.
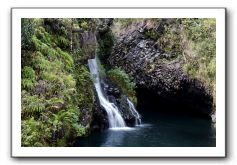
point(113, 138)
point(162, 131)
point(118, 136)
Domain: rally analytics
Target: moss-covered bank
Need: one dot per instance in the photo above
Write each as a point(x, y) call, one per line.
point(57, 90)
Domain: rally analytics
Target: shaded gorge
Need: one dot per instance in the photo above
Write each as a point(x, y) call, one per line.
point(159, 129)
point(165, 123)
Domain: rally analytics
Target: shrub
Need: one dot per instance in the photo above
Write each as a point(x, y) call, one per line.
point(27, 32)
point(200, 64)
point(34, 133)
point(121, 79)
point(62, 42)
point(28, 78)
point(151, 34)
point(171, 40)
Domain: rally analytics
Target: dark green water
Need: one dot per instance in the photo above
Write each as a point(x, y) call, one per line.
point(157, 130)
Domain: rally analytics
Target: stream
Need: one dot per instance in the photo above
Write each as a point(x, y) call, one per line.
point(153, 128)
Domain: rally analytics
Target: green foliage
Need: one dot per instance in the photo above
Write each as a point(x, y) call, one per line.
point(58, 26)
point(62, 42)
point(171, 40)
point(44, 48)
point(84, 86)
point(29, 73)
point(105, 44)
point(43, 36)
point(27, 32)
point(197, 29)
point(124, 22)
point(34, 133)
point(87, 24)
point(50, 52)
point(53, 90)
point(32, 105)
point(28, 78)
point(121, 79)
point(66, 57)
point(151, 34)
point(200, 63)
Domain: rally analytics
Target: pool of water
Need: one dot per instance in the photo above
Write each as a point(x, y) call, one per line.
point(157, 130)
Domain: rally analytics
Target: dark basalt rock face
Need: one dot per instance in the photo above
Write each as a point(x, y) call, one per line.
point(125, 112)
point(100, 119)
point(104, 25)
point(155, 70)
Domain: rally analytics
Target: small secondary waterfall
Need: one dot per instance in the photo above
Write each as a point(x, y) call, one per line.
point(114, 116)
point(134, 112)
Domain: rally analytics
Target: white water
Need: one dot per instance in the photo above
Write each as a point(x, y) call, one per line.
point(114, 116)
point(134, 112)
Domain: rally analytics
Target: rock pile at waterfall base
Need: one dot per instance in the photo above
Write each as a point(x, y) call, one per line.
point(100, 119)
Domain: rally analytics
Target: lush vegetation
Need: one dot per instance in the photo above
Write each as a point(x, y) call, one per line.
point(121, 79)
point(105, 43)
point(56, 86)
point(194, 41)
point(199, 50)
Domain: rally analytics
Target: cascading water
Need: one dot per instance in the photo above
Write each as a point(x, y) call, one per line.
point(114, 116)
point(134, 112)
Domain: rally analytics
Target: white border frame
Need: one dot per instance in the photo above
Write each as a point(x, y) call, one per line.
point(218, 151)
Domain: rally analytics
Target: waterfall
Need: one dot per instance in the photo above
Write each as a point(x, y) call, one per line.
point(134, 112)
point(114, 116)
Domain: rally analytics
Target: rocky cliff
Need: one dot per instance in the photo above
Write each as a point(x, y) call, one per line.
point(154, 69)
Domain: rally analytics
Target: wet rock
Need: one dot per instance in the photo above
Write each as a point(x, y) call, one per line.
point(115, 96)
point(113, 91)
point(125, 112)
point(99, 118)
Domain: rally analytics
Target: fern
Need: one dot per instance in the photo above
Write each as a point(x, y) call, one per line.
point(43, 36)
point(66, 58)
point(32, 105)
point(55, 100)
point(28, 78)
point(28, 72)
point(27, 84)
point(34, 133)
point(50, 117)
point(62, 42)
